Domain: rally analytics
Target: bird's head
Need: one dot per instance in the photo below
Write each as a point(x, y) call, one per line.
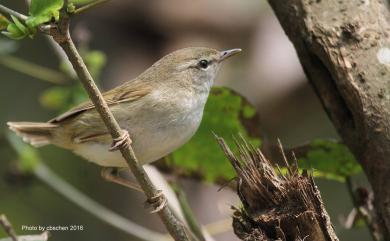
point(195, 66)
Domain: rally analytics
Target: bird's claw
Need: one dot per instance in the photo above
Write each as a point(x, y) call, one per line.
point(121, 142)
point(158, 202)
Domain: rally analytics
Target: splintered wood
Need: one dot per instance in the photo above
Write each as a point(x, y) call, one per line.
point(277, 204)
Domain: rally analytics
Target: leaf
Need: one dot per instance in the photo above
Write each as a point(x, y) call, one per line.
point(3, 22)
point(71, 7)
point(330, 160)
point(42, 11)
point(14, 32)
point(17, 30)
point(19, 25)
point(223, 115)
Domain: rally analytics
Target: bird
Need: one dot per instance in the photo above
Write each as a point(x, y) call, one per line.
point(161, 109)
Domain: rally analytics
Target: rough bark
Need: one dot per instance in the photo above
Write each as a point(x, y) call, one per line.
point(276, 206)
point(344, 48)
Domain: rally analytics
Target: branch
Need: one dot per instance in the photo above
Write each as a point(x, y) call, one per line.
point(33, 70)
point(8, 11)
point(62, 36)
point(362, 205)
point(43, 173)
point(13, 236)
point(36, 237)
point(175, 203)
point(8, 227)
point(188, 214)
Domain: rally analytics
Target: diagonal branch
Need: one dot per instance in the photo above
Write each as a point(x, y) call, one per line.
point(47, 176)
point(10, 12)
point(62, 36)
point(8, 227)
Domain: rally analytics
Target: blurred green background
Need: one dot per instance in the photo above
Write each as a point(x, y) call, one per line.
point(130, 36)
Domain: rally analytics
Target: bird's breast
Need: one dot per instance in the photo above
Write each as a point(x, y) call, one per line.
point(171, 121)
point(158, 125)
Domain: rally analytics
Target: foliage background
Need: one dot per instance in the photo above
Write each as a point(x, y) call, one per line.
point(132, 35)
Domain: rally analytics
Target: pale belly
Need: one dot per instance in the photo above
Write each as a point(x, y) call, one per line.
point(152, 138)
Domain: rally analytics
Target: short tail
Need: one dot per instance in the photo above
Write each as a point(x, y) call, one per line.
point(36, 133)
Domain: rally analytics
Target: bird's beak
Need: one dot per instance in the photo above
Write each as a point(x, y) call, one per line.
point(228, 53)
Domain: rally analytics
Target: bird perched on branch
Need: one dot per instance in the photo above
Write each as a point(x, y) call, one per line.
point(161, 109)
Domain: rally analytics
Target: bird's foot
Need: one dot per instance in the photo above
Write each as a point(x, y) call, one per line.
point(111, 174)
point(158, 202)
point(121, 142)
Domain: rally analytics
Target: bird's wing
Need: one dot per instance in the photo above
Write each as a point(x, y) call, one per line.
point(125, 93)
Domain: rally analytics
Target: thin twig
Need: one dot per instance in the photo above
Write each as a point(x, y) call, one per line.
point(188, 214)
point(47, 176)
point(43, 173)
point(33, 70)
point(8, 11)
point(63, 38)
point(218, 227)
point(364, 213)
point(89, 6)
point(8, 227)
point(61, 57)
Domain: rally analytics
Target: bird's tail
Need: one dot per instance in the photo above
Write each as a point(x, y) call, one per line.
point(36, 133)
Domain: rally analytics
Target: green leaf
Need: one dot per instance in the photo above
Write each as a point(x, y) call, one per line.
point(71, 7)
point(223, 115)
point(17, 30)
point(3, 22)
point(19, 25)
point(330, 160)
point(13, 32)
point(42, 11)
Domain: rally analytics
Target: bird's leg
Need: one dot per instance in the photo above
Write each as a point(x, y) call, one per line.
point(120, 142)
point(111, 174)
point(158, 202)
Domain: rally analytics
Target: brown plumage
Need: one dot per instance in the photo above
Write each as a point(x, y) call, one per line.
point(161, 109)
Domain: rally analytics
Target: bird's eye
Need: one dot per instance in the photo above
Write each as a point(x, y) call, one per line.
point(203, 64)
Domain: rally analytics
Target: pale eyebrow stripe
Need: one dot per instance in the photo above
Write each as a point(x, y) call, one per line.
point(194, 62)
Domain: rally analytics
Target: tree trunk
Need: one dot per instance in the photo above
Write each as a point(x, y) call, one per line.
point(344, 48)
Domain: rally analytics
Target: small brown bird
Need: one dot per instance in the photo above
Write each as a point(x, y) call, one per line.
point(161, 109)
